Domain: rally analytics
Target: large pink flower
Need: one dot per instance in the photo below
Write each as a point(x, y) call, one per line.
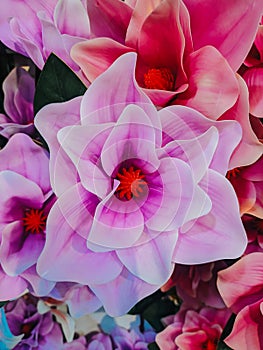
point(167, 66)
point(137, 189)
point(241, 287)
point(36, 28)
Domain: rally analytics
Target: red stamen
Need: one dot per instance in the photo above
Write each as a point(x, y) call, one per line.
point(34, 221)
point(211, 345)
point(131, 183)
point(231, 174)
point(159, 78)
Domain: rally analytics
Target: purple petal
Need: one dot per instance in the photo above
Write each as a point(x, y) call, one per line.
point(11, 287)
point(151, 261)
point(40, 286)
point(24, 157)
point(121, 294)
point(17, 251)
point(217, 235)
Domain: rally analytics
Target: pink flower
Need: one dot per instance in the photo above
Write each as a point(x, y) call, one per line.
point(241, 287)
point(37, 28)
point(248, 184)
point(191, 329)
point(201, 79)
point(135, 188)
point(19, 89)
point(254, 230)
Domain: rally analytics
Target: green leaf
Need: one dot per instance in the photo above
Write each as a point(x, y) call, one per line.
point(56, 83)
point(153, 346)
point(222, 346)
point(227, 330)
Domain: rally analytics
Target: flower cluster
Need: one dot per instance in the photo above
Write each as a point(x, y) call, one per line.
point(131, 173)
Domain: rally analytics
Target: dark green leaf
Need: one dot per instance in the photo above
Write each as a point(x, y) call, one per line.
point(56, 83)
point(153, 346)
point(2, 303)
point(142, 305)
point(227, 330)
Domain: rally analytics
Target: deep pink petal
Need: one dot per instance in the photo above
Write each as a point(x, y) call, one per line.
point(235, 23)
point(49, 120)
point(213, 87)
point(217, 234)
point(121, 294)
point(109, 18)
point(157, 255)
point(253, 77)
point(249, 148)
point(65, 256)
point(257, 209)
point(246, 193)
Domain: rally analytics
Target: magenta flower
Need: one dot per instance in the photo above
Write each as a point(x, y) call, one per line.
point(196, 284)
point(192, 329)
point(25, 202)
point(19, 89)
point(135, 188)
point(254, 230)
point(241, 287)
point(37, 28)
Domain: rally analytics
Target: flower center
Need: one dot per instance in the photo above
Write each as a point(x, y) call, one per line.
point(131, 183)
point(210, 345)
point(34, 220)
point(231, 174)
point(159, 78)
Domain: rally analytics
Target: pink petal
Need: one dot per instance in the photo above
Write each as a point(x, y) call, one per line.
point(116, 224)
point(246, 193)
point(39, 286)
point(109, 18)
point(49, 120)
point(133, 137)
point(204, 239)
point(249, 148)
point(68, 251)
point(11, 287)
point(213, 87)
point(96, 55)
point(235, 23)
point(157, 255)
point(236, 288)
point(253, 77)
point(83, 144)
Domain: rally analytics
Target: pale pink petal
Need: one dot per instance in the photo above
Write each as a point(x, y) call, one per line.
point(38, 285)
point(156, 254)
point(49, 120)
point(211, 232)
point(65, 256)
point(11, 287)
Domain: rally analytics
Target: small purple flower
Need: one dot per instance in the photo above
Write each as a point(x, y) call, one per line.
point(37, 28)
point(19, 89)
point(25, 202)
point(137, 190)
